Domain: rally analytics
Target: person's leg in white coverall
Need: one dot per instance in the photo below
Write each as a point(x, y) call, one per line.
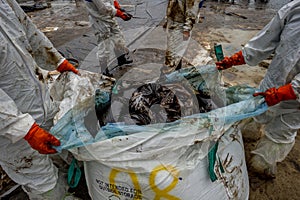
point(34, 171)
point(281, 123)
point(111, 40)
point(176, 46)
point(181, 16)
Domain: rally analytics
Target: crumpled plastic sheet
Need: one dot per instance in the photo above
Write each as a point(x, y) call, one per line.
point(71, 129)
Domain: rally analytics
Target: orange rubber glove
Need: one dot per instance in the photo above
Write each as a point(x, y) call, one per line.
point(273, 96)
point(227, 62)
point(123, 15)
point(117, 5)
point(67, 66)
point(41, 140)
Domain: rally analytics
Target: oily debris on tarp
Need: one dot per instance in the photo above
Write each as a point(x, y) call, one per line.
point(153, 103)
point(152, 94)
point(152, 98)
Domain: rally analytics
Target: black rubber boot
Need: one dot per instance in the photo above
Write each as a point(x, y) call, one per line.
point(124, 59)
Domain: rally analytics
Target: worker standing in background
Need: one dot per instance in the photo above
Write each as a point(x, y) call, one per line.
point(181, 16)
point(280, 86)
point(102, 16)
point(26, 108)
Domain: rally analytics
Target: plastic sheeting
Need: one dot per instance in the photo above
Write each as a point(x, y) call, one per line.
point(72, 130)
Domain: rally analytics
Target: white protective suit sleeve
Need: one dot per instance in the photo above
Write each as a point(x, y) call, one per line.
point(264, 43)
point(13, 124)
point(281, 37)
point(40, 47)
point(296, 86)
point(23, 96)
point(101, 8)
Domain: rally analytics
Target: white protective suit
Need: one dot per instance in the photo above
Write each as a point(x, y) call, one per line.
point(24, 98)
point(282, 37)
point(109, 36)
point(181, 16)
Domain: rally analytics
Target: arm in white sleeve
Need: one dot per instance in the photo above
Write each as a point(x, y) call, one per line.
point(296, 86)
point(264, 43)
point(42, 50)
point(13, 124)
point(104, 7)
point(108, 6)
